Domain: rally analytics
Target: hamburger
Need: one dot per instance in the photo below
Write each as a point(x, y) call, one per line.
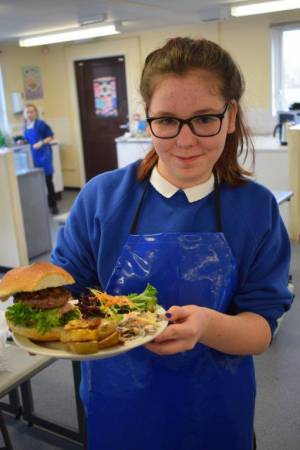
point(41, 304)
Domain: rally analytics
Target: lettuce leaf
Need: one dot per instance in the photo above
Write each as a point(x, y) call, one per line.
point(41, 319)
point(145, 301)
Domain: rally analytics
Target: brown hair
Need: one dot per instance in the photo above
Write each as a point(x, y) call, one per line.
point(31, 105)
point(181, 55)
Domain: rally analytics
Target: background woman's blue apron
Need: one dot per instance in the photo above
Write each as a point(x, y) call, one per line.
point(43, 156)
point(200, 399)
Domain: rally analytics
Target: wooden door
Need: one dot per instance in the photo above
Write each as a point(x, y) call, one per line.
point(102, 96)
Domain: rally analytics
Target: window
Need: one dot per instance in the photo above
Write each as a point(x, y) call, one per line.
point(285, 66)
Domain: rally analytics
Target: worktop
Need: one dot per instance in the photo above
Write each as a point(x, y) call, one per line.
point(271, 161)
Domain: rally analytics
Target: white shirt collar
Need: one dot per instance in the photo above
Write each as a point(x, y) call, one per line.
point(30, 124)
point(167, 189)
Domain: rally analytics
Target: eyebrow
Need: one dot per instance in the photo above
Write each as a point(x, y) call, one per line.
point(200, 112)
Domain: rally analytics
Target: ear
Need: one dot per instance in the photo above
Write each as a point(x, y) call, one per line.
point(233, 109)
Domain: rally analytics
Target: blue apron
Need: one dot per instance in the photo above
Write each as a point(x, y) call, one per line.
point(43, 156)
point(200, 399)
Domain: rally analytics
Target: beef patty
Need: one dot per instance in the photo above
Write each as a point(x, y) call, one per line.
point(45, 298)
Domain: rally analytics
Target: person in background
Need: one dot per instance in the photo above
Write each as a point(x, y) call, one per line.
point(39, 135)
point(189, 220)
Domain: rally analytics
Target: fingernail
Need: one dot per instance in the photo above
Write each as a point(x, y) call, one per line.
point(168, 315)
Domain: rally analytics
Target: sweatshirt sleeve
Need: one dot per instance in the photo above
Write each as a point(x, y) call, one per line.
point(264, 288)
point(44, 129)
point(74, 249)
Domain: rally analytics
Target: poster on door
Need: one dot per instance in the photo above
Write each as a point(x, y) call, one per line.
point(105, 96)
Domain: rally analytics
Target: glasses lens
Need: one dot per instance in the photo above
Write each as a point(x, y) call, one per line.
point(165, 127)
point(206, 125)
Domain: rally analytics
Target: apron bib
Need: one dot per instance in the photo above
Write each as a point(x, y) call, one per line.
point(43, 156)
point(200, 399)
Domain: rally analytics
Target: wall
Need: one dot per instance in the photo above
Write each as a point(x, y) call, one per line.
point(247, 39)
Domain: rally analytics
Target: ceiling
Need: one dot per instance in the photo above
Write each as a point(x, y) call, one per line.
point(20, 18)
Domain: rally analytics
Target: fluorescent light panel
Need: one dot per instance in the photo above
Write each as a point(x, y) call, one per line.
point(266, 7)
point(66, 36)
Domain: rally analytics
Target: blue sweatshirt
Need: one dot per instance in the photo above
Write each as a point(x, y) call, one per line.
point(100, 220)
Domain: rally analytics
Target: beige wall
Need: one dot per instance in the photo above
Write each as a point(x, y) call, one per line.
point(247, 39)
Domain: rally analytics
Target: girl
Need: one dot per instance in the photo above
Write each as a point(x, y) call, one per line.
point(186, 220)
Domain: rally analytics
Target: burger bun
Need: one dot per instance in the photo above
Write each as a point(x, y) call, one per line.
point(35, 277)
point(34, 334)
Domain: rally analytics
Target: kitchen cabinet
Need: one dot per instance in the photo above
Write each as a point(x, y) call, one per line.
point(13, 249)
point(23, 161)
point(293, 138)
point(24, 215)
point(35, 212)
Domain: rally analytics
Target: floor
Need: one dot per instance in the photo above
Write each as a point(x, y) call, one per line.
point(277, 420)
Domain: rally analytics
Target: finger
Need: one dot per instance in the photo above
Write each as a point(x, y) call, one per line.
point(168, 347)
point(174, 331)
point(178, 313)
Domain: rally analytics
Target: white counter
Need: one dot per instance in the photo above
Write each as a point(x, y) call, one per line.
point(267, 143)
point(129, 149)
point(271, 161)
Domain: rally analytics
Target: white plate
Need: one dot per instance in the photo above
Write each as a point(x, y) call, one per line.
point(59, 350)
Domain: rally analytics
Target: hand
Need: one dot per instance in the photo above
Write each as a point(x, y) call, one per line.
point(38, 145)
point(188, 324)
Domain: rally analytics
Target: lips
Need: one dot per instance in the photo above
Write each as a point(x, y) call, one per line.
point(187, 158)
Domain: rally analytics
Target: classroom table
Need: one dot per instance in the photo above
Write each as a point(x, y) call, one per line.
point(21, 368)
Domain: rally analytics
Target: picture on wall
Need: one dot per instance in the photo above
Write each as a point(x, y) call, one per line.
point(32, 79)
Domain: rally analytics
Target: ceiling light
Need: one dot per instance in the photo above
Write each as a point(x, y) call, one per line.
point(66, 36)
point(265, 7)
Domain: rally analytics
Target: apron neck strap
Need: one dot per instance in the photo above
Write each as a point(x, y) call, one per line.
point(217, 195)
point(139, 208)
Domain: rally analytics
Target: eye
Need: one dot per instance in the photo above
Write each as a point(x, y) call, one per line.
point(203, 120)
point(165, 121)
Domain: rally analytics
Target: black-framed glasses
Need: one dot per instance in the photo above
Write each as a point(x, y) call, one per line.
point(203, 125)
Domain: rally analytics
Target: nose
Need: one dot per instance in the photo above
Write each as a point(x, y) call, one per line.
point(186, 137)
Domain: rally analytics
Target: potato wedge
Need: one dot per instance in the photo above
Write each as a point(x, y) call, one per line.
point(106, 328)
point(82, 323)
point(78, 335)
point(83, 348)
point(110, 341)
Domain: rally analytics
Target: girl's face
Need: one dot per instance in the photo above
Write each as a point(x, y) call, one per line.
point(188, 160)
point(30, 113)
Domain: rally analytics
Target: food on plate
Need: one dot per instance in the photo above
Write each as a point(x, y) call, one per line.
point(86, 336)
point(140, 323)
point(99, 303)
point(110, 320)
point(42, 306)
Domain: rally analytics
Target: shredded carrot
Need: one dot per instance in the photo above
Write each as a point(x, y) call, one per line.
point(110, 300)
